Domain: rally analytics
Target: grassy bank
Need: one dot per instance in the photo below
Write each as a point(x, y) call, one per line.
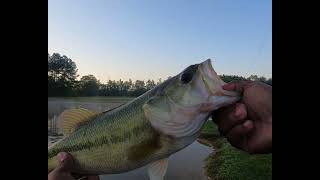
point(230, 163)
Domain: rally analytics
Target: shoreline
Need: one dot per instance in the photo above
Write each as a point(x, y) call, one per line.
point(228, 162)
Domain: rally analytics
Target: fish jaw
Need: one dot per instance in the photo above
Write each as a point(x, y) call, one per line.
point(214, 86)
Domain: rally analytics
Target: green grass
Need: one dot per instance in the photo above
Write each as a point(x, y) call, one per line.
point(210, 128)
point(228, 163)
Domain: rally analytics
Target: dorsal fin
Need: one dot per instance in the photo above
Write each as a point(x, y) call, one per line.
point(72, 119)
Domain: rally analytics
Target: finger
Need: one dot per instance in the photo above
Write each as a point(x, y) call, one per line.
point(65, 162)
point(235, 117)
point(237, 135)
point(222, 113)
point(236, 86)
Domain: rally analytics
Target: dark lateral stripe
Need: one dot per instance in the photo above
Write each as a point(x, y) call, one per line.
point(104, 140)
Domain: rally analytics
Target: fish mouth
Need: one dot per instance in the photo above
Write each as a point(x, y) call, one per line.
point(213, 82)
point(207, 68)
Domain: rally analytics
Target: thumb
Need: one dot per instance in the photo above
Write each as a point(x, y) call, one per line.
point(65, 162)
point(238, 86)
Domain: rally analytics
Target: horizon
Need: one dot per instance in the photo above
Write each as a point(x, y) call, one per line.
point(143, 40)
point(155, 80)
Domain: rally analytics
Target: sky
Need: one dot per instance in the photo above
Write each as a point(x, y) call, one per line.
point(152, 39)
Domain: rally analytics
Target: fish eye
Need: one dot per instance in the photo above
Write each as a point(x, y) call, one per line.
point(186, 77)
point(188, 73)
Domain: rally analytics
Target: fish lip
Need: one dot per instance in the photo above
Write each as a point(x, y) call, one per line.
point(227, 100)
point(230, 93)
point(230, 101)
point(208, 69)
point(214, 85)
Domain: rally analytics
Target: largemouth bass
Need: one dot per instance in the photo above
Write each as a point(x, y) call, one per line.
point(146, 130)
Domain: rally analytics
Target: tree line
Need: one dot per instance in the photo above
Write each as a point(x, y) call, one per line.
point(63, 81)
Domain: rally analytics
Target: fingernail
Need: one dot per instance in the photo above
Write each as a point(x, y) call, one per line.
point(247, 124)
point(62, 156)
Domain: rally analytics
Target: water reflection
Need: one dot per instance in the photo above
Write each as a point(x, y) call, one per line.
point(186, 164)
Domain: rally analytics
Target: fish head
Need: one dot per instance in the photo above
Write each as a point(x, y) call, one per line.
point(186, 101)
point(200, 84)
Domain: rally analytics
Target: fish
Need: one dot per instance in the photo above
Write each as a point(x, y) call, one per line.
point(147, 130)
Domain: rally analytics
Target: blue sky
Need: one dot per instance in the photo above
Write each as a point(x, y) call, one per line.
point(142, 39)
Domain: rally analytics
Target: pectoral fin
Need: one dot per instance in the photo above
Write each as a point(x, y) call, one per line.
point(157, 170)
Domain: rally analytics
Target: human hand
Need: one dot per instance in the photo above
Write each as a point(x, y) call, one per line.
point(63, 170)
point(248, 124)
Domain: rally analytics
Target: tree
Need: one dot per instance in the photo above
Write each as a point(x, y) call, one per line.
point(229, 78)
point(128, 85)
point(139, 84)
point(89, 85)
point(122, 88)
point(103, 90)
point(159, 81)
point(112, 88)
point(150, 84)
point(138, 88)
point(262, 79)
point(269, 81)
point(253, 78)
point(62, 73)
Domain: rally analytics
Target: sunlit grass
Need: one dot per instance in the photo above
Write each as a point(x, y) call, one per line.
point(228, 163)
